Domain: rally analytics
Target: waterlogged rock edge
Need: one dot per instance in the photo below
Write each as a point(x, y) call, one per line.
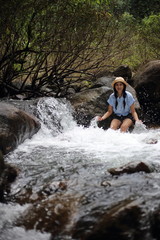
point(129, 215)
point(131, 167)
point(60, 214)
point(7, 177)
point(15, 126)
point(120, 221)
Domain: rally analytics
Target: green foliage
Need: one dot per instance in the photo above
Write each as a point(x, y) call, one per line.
point(118, 7)
point(145, 44)
point(138, 8)
point(150, 25)
point(141, 8)
point(56, 43)
point(150, 33)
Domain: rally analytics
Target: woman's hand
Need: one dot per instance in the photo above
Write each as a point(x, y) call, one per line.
point(98, 118)
point(139, 121)
point(106, 115)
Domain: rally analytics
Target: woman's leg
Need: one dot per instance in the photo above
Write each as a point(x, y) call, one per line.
point(126, 124)
point(115, 124)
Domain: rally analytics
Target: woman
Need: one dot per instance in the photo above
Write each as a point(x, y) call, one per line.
point(121, 104)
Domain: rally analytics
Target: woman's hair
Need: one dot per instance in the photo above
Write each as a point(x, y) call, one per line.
point(116, 95)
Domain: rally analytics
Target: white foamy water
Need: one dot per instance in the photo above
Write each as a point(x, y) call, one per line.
point(109, 146)
point(61, 141)
point(63, 150)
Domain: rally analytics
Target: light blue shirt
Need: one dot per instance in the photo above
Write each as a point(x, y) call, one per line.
point(121, 111)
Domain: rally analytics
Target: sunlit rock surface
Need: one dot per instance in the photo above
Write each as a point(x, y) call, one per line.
point(15, 127)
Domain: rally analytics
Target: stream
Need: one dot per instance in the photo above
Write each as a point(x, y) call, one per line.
point(62, 151)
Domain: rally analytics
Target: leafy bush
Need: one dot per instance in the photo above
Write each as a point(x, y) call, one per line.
point(57, 44)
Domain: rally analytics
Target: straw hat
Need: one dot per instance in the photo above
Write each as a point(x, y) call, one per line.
point(119, 79)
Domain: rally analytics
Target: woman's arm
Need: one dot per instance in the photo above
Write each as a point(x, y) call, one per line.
point(107, 114)
point(134, 113)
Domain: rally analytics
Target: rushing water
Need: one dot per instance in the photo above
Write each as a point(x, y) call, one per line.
point(64, 151)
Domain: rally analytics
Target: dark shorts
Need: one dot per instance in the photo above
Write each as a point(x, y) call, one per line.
point(122, 118)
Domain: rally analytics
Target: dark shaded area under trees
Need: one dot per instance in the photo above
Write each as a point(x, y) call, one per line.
point(48, 47)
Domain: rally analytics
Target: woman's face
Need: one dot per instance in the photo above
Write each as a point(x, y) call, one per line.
point(119, 87)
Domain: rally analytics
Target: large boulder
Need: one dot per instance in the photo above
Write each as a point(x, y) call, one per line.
point(89, 104)
point(123, 71)
point(15, 126)
point(121, 222)
point(51, 209)
point(147, 86)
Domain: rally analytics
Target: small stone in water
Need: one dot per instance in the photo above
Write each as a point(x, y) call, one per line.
point(151, 141)
point(105, 184)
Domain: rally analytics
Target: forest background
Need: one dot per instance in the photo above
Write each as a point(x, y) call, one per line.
point(49, 46)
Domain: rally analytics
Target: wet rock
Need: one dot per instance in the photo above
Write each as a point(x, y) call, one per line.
point(2, 177)
point(7, 177)
point(120, 222)
point(151, 141)
point(130, 168)
point(26, 195)
point(53, 215)
point(105, 184)
point(50, 209)
point(20, 96)
point(147, 86)
point(90, 103)
point(123, 71)
point(155, 222)
point(15, 127)
point(2, 165)
point(11, 173)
